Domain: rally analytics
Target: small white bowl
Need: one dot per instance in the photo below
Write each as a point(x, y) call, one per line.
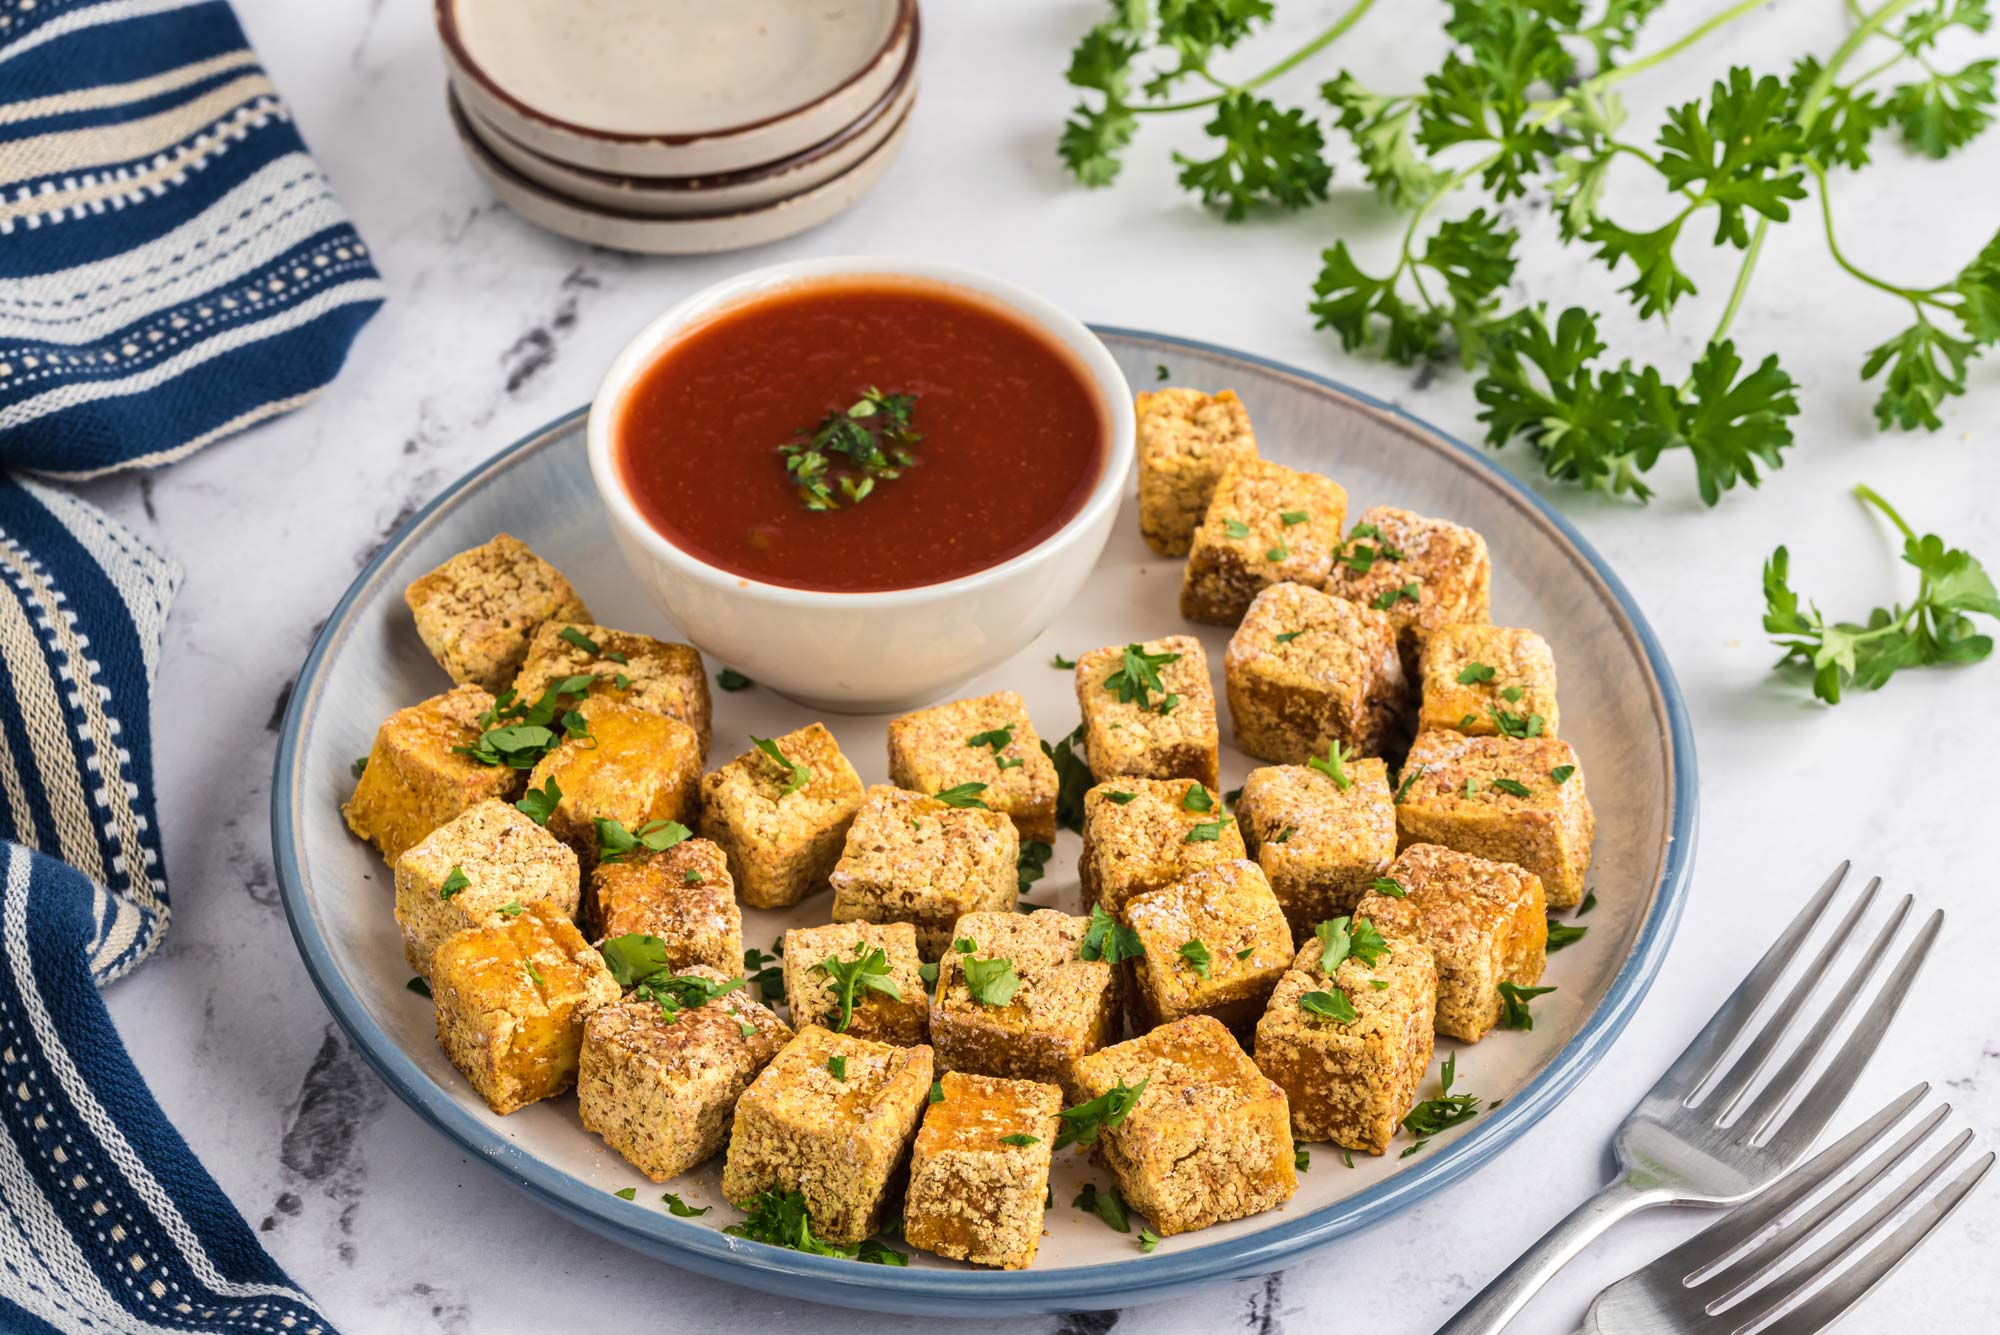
point(872, 652)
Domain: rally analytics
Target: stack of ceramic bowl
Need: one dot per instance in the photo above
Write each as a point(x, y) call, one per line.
point(679, 126)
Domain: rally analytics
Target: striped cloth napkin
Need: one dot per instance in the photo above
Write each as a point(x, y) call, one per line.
point(173, 268)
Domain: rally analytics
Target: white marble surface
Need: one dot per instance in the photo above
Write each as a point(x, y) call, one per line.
point(493, 329)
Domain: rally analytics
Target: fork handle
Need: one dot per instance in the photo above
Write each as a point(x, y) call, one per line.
point(1497, 1303)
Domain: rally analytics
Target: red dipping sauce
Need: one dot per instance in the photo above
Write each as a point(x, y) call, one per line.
point(1013, 434)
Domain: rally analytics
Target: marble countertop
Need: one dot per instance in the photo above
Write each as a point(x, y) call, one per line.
point(494, 328)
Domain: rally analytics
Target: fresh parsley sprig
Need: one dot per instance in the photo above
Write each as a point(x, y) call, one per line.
point(1442, 1113)
point(1084, 1123)
point(780, 1218)
point(865, 970)
point(1138, 677)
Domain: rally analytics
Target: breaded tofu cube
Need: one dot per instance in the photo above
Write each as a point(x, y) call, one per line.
point(1207, 1140)
point(830, 1118)
point(478, 871)
point(1149, 711)
point(1306, 669)
point(512, 1001)
point(1141, 834)
point(682, 895)
point(782, 823)
point(816, 958)
point(1038, 1005)
point(477, 611)
point(1425, 573)
point(1352, 1081)
point(1185, 439)
point(1267, 525)
point(987, 740)
point(911, 858)
point(1321, 845)
point(1487, 680)
point(1485, 923)
point(1216, 943)
point(661, 1085)
point(979, 1175)
point(1518, 800)
point(635, 767)
point(659, 675)
point(416, 780)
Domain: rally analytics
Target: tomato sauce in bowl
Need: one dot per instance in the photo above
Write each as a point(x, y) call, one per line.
point(1012, 435)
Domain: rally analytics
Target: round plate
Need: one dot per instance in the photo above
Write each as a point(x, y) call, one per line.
point(1621, 709)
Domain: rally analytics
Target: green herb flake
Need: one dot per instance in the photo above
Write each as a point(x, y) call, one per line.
point(780, 1218)
point(729, 679)
point(1119, 797)
point(574, 637)
point(1334, 765)
point(1206, 832)
point(1512, 787)
point(1328, 1006)
point(797, 776)
point(1442, 1113)
point(419, 986)
point(359, 767)
point(1589, 903)
point(1032, 864)
point(1197, 798)
point(681, 1209)
point(626, 1193)
point(1291, 517)
point(453, 883)
point(538, 804)
point(999, 739)
point(1107, 1204)
point(1514, 1005)
point(1061, 664)
point(851, 450)
point(1082, 1124)
point(964, 796)
point(1107, 939)
point(1148, 1239)
point(513, 908)
point(1388, 598)
point(991, 982)
point(1561, 773)
point(1073, 779)
point(1139, 676)
point(1563, 934)
point(836, 1067)
point(1473, 673)
point(1287, 636)
point(1197, 956)
point(1301, 1158)
point(1235, 528)
point(615, 843)
point(1278, 553)
point(1020, 1140)
point(1388, 885)
point(534, 974)
point(864, 970)
point(1409, 781)
point(937, 1091)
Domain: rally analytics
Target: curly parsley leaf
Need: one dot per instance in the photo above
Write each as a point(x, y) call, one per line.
point(1268, 156)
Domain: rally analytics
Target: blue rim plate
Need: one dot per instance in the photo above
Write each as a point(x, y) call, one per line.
point(1297, 412)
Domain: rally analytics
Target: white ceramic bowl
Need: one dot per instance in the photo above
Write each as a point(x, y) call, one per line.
point(876, 651)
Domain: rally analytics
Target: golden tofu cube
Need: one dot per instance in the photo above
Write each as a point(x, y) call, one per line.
point(1306, 670)
point(1518, 800)
point(911, 858)
point(1061, 1007)
point(635, 767)
point(682, 895)
point(477, 611)
point(1133, 727)
point(478, 871)
point(782, 825)
point(835, 1138)
point(1489, 680)
point(1321, 846)
point(416, 779)
point(1141, 834)
point(659, 675)
point(1208, 1139)
point(511, 1003)
point(1216, 944)
point(1185, 440)
point(1424, 573)
point(987, 740)
point(979, 1174)
point(1267, 525)
point(813, 991)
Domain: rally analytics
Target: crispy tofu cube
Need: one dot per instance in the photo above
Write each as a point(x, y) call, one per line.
point(1208, 1139)
point(683, 895)
point(911, 858)
point(512, 1001)
point(477, 611)
point(415, 780)
point(1185, 439)
point(782, 840)
point(659, 675)
point(1306, 670)
point(1216, 944)
point(979, 1175)
point(1163, 731)
point(1267, 525)
point(1485, 923)
point(934, 749)
point(1064, 1007)
point(1465, 793)
point(837, 1139)
point(635, 767)
point(1320, 845)
point(1351, 1083)
point(1141, 834)
point(1478, 678)
point(478, 871)
point(812, 991)
point(1425, 573)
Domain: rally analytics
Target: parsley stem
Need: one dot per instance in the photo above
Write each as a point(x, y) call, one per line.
point(1742, 283)
point(1678, 45)
point(1326, 38)
point(1869, 496)
point(1915, 296)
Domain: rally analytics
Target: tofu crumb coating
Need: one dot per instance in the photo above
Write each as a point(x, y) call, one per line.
point(505, 862)
point(911, 858)
point(1185, 440)
point(1353, 1083)
point(635, 767)
point(1125, 737)
point(477, 611)
point(1141, 834)
point(1306, 669)
point(415, 781)
point(932, 750)
point(1453, 800)
point(837, 1140)
point(684, 896)
point(512, 1001)
point(1267, 524)
point(1320, 845)
point(1065, 1008)
point(782, 846)
point(1446, 561)
point(1210, 1137)
point(813, 995)
point(972, 1195)
point(1229, 911)
point(659, 675)
point(661, 1088)
point(1485, 924)
point(1521, 663)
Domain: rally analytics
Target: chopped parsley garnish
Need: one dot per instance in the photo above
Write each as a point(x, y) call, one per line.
point(937, 1088)
point(453, 883)
point(1472, 673)
point(866, 970)
point(1082, 1124)
point(1246, 952)
point(534, 974)
point(626, 1193)
point(1139, 676)
point(964, 795)
point(927, 973)
point(1160, 373)
point(538, 804)
point(1388, 598)
point(1465, 722)
point(1328, 1006)
point(1514, 1002)
point(518, 735)
point(1107, 1204)
point(1197, 798)
point(1512, 695)
point(513, 908)
point(635, 956)
point(419, 986)
point(1471, 785)
point(674, 993)
point(1301, 1158)
point(1334, 764)
point(965, 945)
point(1147, 1239)
point(991, 982)
point(621, 681)
point(1563, 934)
point(1020, 1140)
point(1208, 831)
point(874, 437)
point(1589, 903)
point(615, 843)
point(1119, 797)
point(729, 679)
point(797, 776)
point(780, 1219)
point(1073, 779)
point(1442, 1113)
point(1033, 864)
point(1560, 774)
point(1197, 956)
point(1061, 664)
point(1344, 936)
point(1291, 517)
point(1512, 787)
point(1278, 553)
point(1285, 835)
point(680, 1208)
point(692, 877)
point(1233, 796)
point(1388, 885)
point(766, 971)
point(1108, 939)
point(1521, 726)
point(1287, 636)
point(570, 635)
point(998, 738)
point(1235, 528)
point(359, 767)
point(743, 1026)
point(836, 1066)
point(1379, 984)
point(1409, 782)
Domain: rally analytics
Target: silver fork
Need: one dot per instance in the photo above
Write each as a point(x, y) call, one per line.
point(1732, 1276)
point(1706, 1134)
